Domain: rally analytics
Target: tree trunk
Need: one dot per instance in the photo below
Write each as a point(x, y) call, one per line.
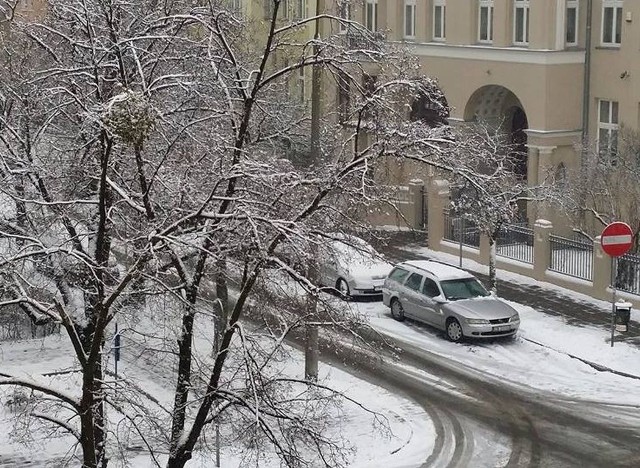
point(184, 378)
point(21, 208)
point(311, 353)
point(311, 343)
point(87, 434)
point(493, 284)
point(222, 289)
point(92, 420)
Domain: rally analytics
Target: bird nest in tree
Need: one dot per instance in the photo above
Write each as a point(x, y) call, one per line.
point(130, 116)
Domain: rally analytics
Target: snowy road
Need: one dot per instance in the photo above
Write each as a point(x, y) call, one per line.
point(516, 403)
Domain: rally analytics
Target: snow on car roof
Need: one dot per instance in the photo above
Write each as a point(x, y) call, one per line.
point(440, 270)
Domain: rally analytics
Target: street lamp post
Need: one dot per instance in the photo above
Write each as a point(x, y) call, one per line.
point(315, 93)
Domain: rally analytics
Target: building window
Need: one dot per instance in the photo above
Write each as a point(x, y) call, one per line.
point(268, 9)
point(283, 9)
point(344, 97)
point(410, 19)
point(369, 83)
point(371, 12)
point(485, 21)
point(572, 23)
point(236, 6)
point(431, 109)
point(608, 127)
point(439, 19)
point(344, 11)
point(561, 178)
point(301, 83)
point(611, 22)
point(521, 22)
point(301, 9)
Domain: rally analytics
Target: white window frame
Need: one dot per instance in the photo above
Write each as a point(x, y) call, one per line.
point(236, 6)
point(343, 97)
point(610, 124)
point(267, 7)
point(441, 26)
point(521, 5)
point(300, 9)
point(410, 19)
point(575, 6)
point(371, 20)
point(616, 6)
point(488, 6)
point(344, 12)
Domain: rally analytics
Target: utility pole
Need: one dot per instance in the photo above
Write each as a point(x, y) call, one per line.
point(311, 329)
point(311, 350)
point(315, 93)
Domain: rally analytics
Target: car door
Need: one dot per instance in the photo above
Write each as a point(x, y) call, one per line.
point(327, 266)
point(429, 310)
point(410, 297)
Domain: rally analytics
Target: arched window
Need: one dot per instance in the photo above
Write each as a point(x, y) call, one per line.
point(560, 176)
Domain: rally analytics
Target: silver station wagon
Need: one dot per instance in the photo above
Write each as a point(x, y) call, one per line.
point(447, 298)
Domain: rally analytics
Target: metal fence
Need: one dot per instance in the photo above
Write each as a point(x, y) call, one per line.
point(457, 229)
point(515, 241)
point(571, 257)
point(628, 274)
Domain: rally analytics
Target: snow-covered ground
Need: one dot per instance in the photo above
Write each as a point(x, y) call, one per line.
point(548, 356)
point(404, 439)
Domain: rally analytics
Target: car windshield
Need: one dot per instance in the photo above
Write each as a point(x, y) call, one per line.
point(463, 288)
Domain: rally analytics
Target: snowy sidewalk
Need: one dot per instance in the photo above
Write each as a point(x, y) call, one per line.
point(407, 442)
point(572, 307)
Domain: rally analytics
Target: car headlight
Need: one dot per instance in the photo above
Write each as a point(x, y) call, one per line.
point(514, 318)
point(478, 322)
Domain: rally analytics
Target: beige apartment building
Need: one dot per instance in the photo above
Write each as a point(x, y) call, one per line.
point(551, 73)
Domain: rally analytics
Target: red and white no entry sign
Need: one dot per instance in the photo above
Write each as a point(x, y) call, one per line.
point(616, 239)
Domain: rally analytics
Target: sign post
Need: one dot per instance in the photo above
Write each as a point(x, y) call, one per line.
point(616, 240)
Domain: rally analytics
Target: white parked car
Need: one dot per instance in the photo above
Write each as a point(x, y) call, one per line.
point(447, 298)
point(352, 267)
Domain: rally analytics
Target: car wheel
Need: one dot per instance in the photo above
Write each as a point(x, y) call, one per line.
point(397, 312)
point(454, 330)
point(343, 289)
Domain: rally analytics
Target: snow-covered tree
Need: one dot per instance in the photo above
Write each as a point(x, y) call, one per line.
point(488, 189)
point(143, 171)
point(605, 189)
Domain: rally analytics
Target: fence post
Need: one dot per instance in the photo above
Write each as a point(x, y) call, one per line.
point(484, 250)
point(416, 186)
point(541, 248)
point(601, 271)
point(438, 200)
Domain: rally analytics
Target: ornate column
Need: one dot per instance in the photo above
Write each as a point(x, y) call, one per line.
point(438, 199)
point(538, 168)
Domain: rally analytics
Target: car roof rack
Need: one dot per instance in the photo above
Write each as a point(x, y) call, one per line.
point(420, 265)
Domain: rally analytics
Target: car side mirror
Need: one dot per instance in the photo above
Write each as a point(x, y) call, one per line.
point(440, 299)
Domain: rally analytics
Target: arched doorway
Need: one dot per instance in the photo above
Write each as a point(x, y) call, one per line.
point(500, 110)
point(518, 141)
